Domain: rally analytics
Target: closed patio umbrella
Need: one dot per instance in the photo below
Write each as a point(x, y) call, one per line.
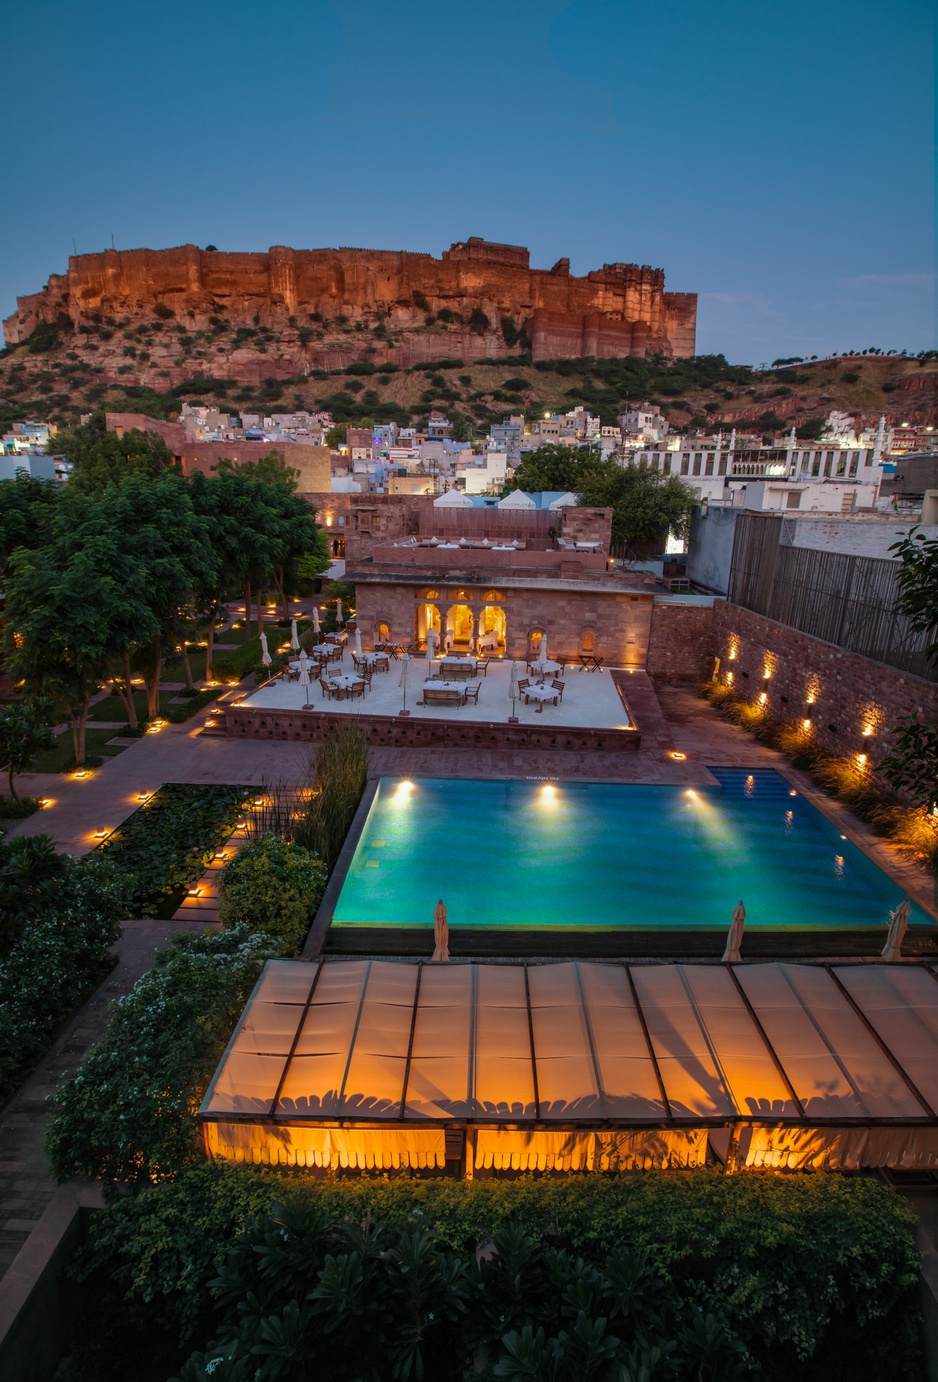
point(735, 938)
point(892, 950)
point(440, 932)
point(542, 654)
point(304, 680)
point(294, 637)
point(316, 625)
point(405, 664)
point(358, 642)
point(339, 616)
point(431, 644)
point(513, 687)
point(265, 651)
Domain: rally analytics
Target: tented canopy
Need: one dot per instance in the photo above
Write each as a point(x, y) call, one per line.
point(581, 1064)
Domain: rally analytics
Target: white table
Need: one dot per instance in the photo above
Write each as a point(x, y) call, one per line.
point(541, 694)
point(340, 683)
point(545, 669)
point(326, 651)
point(372, 659)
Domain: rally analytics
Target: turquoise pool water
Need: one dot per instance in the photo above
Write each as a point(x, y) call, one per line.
point(595, 855)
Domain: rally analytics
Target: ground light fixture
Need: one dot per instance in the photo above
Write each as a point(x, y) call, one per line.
point(44, 802)
point(101, 834)
point(221, 854)
point(80, 774)
point(194, 890)
point(677, 755)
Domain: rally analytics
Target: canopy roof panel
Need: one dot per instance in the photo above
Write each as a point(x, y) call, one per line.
point(582, 1044)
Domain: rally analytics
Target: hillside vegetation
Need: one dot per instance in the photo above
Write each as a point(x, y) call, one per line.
point(155, 365)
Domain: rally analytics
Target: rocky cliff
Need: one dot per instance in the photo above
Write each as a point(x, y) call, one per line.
point(331, 307)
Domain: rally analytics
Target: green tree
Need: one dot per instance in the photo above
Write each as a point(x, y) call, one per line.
point(226, 502)
point(26, 507)
point(24, 735)
point(912, 767)
point(317, 560)
point(101, 458)
point(645, 505)
point(65, 604)
point(918, 585)
point(556, 468)
point(148, 530)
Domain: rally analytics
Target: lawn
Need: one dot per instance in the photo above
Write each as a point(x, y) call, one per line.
point(96, 746)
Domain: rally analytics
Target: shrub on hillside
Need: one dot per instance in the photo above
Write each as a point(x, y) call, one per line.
point(128, 1114)
point(274, 887)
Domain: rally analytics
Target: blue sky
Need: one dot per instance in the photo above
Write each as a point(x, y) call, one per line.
point(775, 158)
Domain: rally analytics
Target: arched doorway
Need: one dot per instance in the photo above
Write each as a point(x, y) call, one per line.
point(382, 632)
point(460, 627)
point(493, 625)
point(535, 639)
point(428, 617)
point(588, 640)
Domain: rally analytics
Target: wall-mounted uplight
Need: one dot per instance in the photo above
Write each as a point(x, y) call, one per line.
point(861, 760)
point(868, 730)
point(763, 697)
point(806, 725)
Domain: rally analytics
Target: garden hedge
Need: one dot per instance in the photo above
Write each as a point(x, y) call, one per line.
point(817, 1274)
point(272, 886)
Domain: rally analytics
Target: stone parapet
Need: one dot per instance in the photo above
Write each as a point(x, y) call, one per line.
point(385, 731)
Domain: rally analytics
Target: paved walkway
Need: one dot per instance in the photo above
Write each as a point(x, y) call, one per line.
point(26, 1183)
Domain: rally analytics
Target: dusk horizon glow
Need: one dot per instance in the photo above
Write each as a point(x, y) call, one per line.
point(777, 163)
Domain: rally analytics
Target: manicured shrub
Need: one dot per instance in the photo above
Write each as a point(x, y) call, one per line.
point(59, 918)
point(128, 1112)
point(274, 887)
point(816, 1274)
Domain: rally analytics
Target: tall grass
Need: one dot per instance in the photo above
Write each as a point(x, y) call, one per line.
point(339, 780)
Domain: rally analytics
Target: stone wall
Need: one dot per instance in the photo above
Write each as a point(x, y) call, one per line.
point(620, 309)
point(840, 692)
point(680, 644)
point(386, 731)
point(619, 621)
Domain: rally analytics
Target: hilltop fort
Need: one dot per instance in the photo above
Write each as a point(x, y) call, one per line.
point(478, 300)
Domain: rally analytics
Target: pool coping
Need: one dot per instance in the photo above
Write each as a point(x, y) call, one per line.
point(668, 943)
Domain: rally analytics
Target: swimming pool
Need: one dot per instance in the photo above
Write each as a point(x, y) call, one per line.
point(598, 856)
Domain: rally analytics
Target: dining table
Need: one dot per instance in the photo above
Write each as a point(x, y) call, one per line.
point(448, 662)
point(541, 693)
point(344, 683)
point(372, 659)
point(545, 668)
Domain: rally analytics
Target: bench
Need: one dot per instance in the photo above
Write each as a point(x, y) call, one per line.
point(438, 695)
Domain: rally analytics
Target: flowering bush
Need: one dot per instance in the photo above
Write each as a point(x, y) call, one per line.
point(129, 1112)
point(816, 1274)
point(274, 887)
